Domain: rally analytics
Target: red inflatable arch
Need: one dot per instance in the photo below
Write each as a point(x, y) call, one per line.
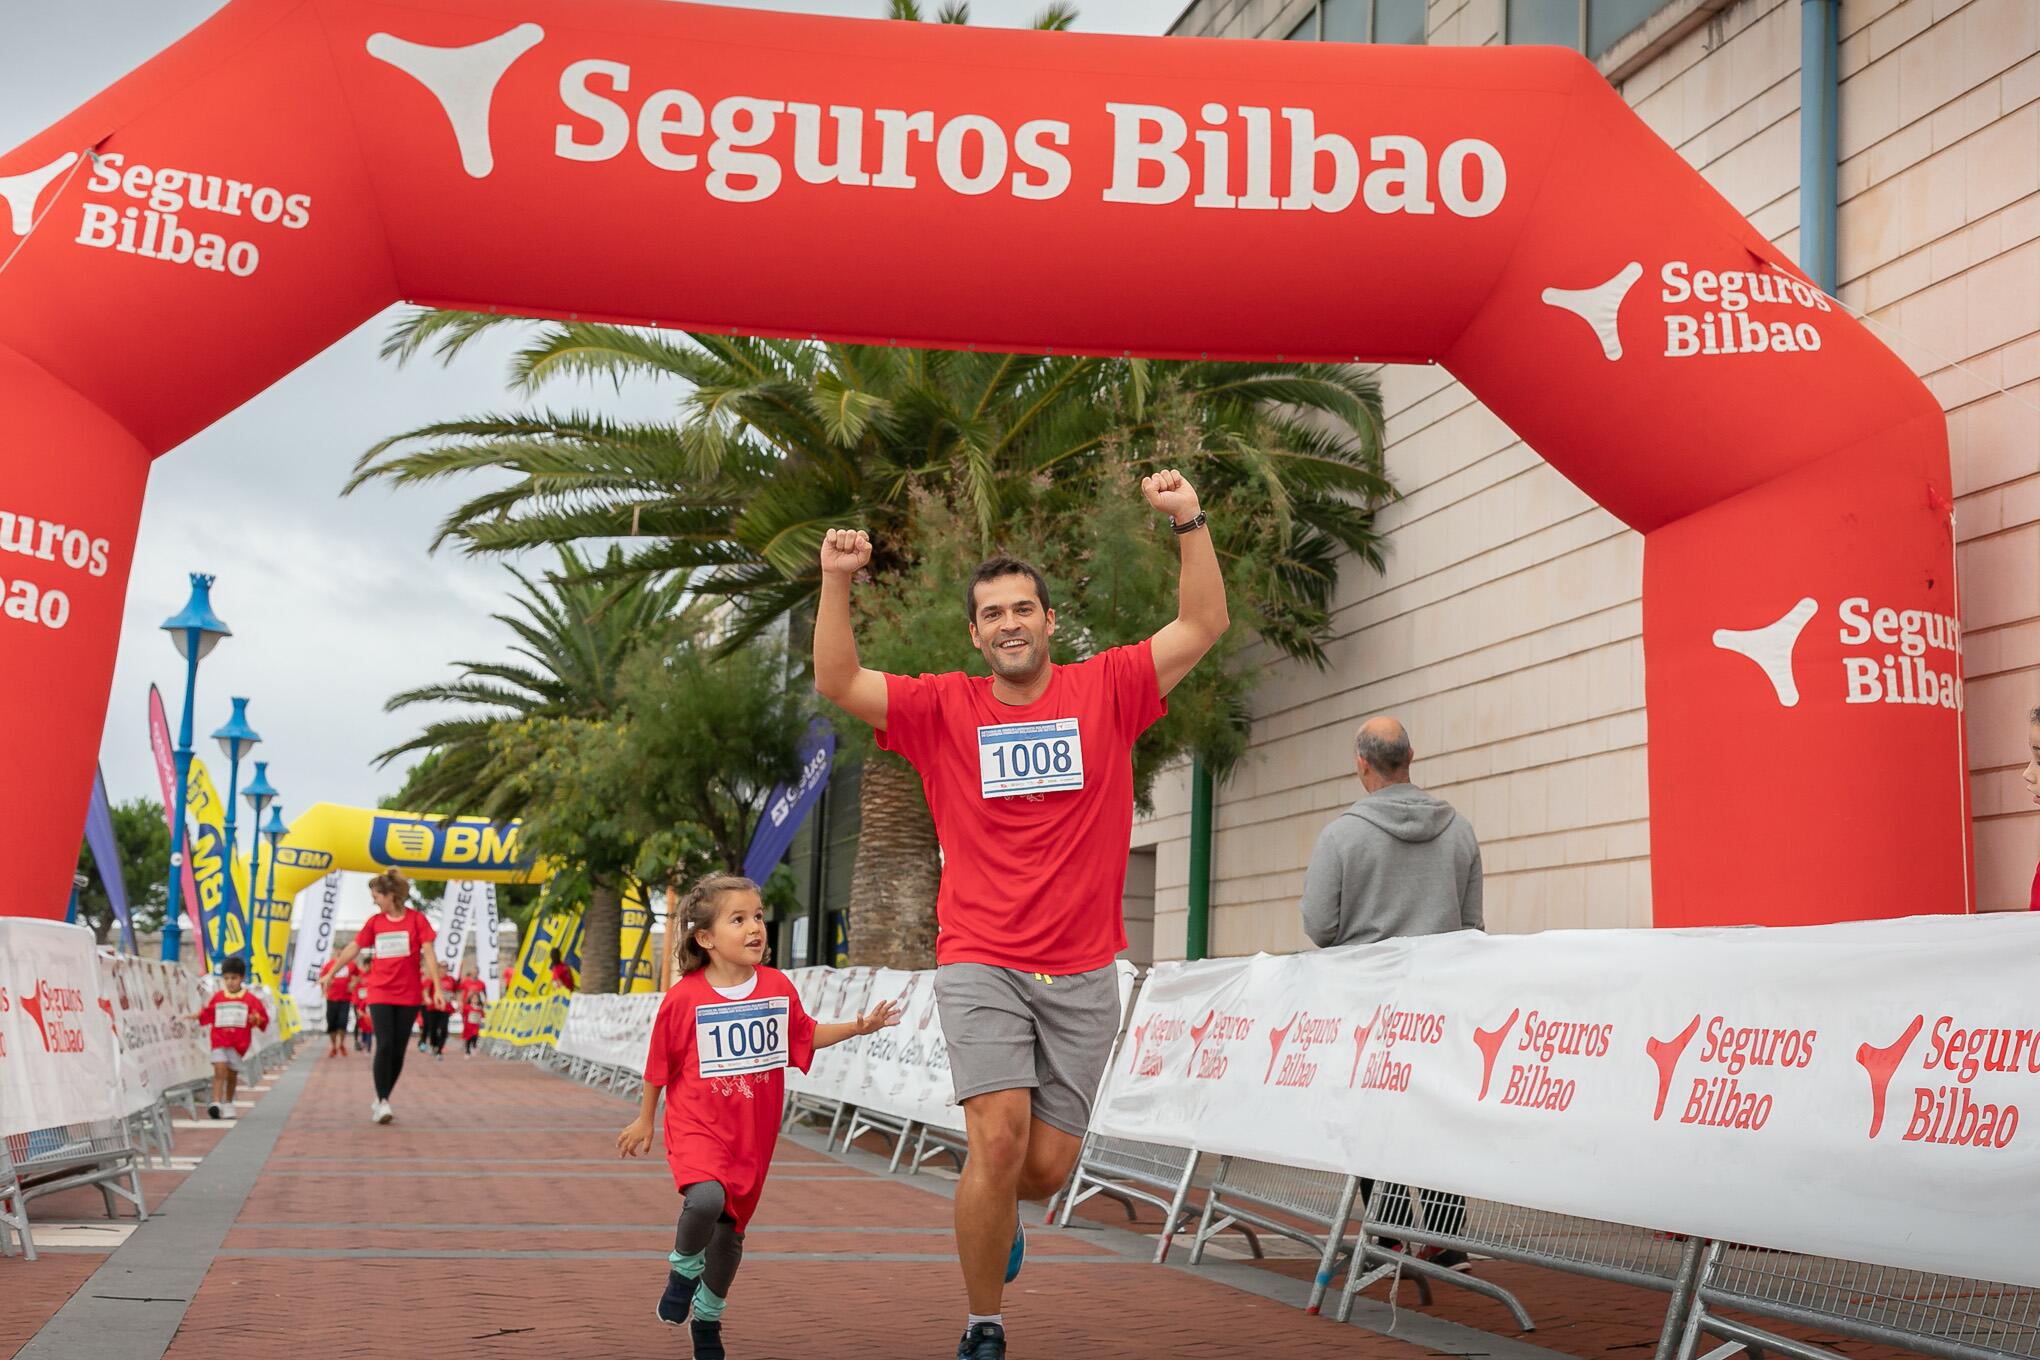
point(294, 166)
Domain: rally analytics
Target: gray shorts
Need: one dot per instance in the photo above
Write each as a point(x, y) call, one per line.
point(1010, 1030)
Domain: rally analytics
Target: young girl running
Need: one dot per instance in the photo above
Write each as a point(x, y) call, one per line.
point(723, 1039)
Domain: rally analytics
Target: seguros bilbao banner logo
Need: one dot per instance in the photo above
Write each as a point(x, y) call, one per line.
point(1958, 1064)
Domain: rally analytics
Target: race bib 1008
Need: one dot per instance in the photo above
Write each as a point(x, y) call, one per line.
point(1031, 757)
point(393, 944)
point(735, 1037)
point(230, 1015)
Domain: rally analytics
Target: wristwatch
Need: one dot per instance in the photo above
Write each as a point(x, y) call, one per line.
point(1193, 523)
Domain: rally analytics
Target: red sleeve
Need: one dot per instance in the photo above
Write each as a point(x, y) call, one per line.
point(1136, 691)
point(913, 713)
point(800, 1031)
point(425, 931)
point(205, 1012)
point(365, 937)
point(668, 1053)
point(257, 1012)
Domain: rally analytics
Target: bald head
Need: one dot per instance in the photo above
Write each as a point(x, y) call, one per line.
point(1381, 752)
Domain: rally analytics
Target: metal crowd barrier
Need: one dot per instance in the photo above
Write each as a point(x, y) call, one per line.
point(1938, 1315)
point(1126, 1170)
point(45, 1161)
point(1287, 1201)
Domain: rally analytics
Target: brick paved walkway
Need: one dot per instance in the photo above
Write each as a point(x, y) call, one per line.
point(493, 1219)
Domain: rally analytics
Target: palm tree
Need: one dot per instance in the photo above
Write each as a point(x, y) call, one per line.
point(778, 440)
point(574, 634)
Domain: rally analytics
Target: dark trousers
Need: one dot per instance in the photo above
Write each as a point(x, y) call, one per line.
point(1443, 1213)
point(705, 1226)
point(392, 1036)
point(435, 1029)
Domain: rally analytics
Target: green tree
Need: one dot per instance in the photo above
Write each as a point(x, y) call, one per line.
point(141, 836)
point(943, 456)
point(668, 786)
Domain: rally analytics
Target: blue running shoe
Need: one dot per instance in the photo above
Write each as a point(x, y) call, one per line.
point(678, 1298)
point(1018, 1256)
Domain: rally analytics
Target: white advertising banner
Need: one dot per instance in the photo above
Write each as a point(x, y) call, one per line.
point(1854, 1090)
point(839, 994)
point(317, 909)
point(456, 920)
point(58, 1063)
point(161, 1045)
point(487, 945)
point(616, 1030)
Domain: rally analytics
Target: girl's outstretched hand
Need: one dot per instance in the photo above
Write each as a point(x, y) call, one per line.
point(635, 1140)
point(882, 1016)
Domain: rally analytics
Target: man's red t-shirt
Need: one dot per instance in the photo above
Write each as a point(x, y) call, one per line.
point(239, 1026)
point(1032, 881)
point(723, 1126)
point(340, 982)
point(398, 947)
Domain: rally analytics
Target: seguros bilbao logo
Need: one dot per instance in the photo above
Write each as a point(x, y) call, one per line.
point(1718, 318)
point(426, 843)
point(1947, 1111)
point(1913, 656)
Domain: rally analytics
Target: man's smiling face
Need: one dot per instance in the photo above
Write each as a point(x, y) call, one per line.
point(1010, 628)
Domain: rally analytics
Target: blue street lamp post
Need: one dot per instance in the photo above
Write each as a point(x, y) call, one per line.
point(235, 737)
point(260, 793)
point(273, 831)
point(195, 631)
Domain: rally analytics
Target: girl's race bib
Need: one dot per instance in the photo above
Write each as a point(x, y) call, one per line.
point(393, 944)
point(735, 1037)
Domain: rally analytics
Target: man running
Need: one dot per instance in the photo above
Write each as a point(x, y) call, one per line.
point(1029, 777)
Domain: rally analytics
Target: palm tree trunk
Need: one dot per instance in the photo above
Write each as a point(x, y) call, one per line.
point(898, 868)
point(602, 937)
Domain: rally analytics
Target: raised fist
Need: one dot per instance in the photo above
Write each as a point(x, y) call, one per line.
point(1168, 492)
point(845, 552)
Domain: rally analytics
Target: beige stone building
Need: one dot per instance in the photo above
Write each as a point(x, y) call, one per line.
point(1506, 630)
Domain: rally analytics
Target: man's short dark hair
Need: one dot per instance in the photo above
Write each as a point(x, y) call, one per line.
point(991, 569)
point(234, 966)
point(1385, 755)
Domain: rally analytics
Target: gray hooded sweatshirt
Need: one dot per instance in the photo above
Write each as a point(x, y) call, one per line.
point(1398, 862)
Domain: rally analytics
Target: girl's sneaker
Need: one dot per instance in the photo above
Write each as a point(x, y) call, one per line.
point(678, 1298)
point(985, 1341)
point(708, 1340)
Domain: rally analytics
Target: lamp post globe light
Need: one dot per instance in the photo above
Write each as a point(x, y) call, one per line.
point(236, 738)
point(194, 630)
point(273, 831)
point(260, 793)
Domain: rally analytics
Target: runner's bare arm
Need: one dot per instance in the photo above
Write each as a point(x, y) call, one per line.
point(839, 676)
point(636, 1137)
point(1200, 588)
point(882, 1016)
point(341, 960)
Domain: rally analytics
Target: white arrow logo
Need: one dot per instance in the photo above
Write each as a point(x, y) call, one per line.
point(463, 80)
point(1771, 647)
point(21, 191)
point(1599, 307)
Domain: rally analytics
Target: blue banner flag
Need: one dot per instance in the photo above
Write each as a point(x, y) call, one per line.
point(790, 804)
point(106, 854)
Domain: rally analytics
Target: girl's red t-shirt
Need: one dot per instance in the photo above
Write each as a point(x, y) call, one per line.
point(723, 1063)
point(398, 948)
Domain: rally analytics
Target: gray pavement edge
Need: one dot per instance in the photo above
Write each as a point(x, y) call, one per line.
point(131, 1307)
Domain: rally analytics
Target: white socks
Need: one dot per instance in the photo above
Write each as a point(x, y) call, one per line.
point(997, 1319)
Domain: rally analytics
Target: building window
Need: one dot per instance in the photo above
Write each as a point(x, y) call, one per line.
point(1379, 21)
point(1563, 22)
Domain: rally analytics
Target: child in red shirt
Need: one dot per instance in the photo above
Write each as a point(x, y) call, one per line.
point(234, 1013)
point(720, 1047)
point(340, 987)
point(470, 1022)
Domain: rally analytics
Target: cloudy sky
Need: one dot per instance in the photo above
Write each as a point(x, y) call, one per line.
point(335, 604)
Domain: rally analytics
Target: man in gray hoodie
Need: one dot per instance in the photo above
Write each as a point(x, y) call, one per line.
point(1398, 862)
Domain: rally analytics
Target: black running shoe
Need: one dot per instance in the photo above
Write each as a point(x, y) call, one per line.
point(678, 1298)
point(708, 1340)
point(985, 1341)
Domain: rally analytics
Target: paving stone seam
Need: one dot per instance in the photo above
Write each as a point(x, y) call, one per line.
point(1412, 1328)
point(164, 1261)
